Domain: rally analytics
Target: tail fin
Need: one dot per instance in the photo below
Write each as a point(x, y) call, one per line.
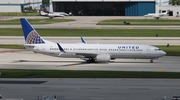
point(30, 34)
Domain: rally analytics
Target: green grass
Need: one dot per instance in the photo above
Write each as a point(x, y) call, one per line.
point(15, 73)
point(96, 32)
point(140, 22)
point(171, 51)
point(11, 46)
point(11, 14)
point(34, 21)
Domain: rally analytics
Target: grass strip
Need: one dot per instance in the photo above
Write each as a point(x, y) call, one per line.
point(166, 22)
point(11, 46)
point(11, 14)
point(96, 32)
point(20, 73)
point(34, 21)
point(171, 51)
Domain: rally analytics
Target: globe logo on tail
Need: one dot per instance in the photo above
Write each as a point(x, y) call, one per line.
point(34, 38)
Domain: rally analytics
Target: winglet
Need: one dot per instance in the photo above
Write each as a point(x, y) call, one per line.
point(83, 41)
point(30, 34)
point(60, 48)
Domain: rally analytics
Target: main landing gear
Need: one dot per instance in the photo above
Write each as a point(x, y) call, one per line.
point(91, 60)
point(151, 61)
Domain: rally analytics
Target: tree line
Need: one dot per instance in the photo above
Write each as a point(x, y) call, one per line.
point(174, 2)
point(45, 1)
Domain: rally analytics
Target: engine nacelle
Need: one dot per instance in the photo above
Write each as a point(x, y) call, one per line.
point(103, 57)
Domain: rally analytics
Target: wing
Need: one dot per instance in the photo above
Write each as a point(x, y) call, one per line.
point(156, 15)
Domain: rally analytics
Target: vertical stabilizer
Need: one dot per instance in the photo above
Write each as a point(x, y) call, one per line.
point(30, 34)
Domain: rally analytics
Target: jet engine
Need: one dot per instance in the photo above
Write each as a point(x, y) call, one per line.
point(103, 57)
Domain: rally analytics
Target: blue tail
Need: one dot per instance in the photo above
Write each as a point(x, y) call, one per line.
point(30, 34)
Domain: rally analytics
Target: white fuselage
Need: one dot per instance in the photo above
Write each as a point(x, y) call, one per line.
point(92, 50)
point(156, 15)
point(54, 14)
point(61, 13)
point(42, 13)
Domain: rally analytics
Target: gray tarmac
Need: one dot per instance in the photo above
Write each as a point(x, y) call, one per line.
point(90, 89)
point(91, 21)
point(22, 59)
point(102, 40)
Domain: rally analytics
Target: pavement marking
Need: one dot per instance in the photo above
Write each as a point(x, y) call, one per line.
point(96, 27)
point(130, 28)
point(164, 28)
point(78, 27)
point(11, 51)
point(160, 69)
point(73, 67)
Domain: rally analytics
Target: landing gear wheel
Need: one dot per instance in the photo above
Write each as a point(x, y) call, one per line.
point(151, 61)
point(91, 60)
point(88, 61)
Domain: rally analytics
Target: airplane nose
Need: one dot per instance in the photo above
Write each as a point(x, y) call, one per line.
point(163, 53)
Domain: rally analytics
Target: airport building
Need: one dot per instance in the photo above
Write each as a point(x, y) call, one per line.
point(18, 5)
point(95, 7)
point(173, 10)
point(105, 7)
point(163, 6)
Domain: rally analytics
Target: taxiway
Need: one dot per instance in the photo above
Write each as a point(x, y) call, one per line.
point(22, 59)
point(90, 22)
point(102, 40)
point(90, 89)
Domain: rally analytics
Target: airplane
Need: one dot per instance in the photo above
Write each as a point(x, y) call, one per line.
point(44, 13)
point(156, 15)
point(53, 14)
point(88, 52)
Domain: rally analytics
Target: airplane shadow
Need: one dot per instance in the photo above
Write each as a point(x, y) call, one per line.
point(19, 61)
point(85, 63)
point(74, 62)
point(95, 63)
